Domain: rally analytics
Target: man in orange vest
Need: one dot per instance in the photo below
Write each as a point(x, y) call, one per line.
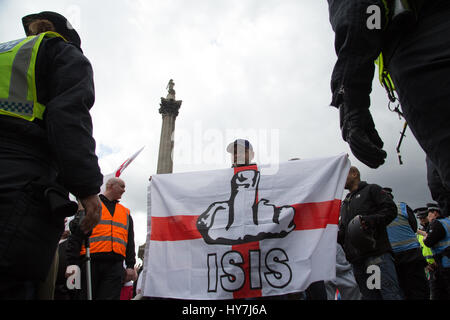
point(111, 242)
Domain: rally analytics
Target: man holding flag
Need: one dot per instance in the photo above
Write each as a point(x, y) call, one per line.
point(243, 232)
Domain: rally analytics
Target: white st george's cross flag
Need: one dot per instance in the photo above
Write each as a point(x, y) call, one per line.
point(240, 233)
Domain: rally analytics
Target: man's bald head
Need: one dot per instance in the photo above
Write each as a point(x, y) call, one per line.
point(354, 171)
point(115, 187)
point(113, 181)
point(353, 178)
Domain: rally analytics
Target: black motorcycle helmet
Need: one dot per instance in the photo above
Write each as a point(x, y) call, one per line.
point(360, 238)
point(62, 25)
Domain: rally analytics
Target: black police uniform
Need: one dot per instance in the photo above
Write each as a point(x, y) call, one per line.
point(418, 59)
point(410, 265)
point(439, 192)
point(441, 276)
point(59, 149)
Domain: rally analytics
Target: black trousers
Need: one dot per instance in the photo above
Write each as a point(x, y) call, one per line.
point(29, 233)
point(29, 236)
point(17, 289)
point(412, 280)
point(316, 291)
point(106, 279)
point(420, 68)
point(440, 284)
point(439, 192)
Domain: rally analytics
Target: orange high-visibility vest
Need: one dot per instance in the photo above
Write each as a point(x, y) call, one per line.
point(111, 233)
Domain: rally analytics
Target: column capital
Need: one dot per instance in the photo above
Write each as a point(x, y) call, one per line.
point(170, 106)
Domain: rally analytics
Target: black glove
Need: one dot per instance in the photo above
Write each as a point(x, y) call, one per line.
point(358, 130)
point(368, 222)
point(75, 224)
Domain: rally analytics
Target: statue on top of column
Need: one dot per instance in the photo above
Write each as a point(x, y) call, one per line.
point(171, 90)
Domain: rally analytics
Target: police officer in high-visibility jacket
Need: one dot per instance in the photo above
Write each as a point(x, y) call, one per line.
point(409, 261)
point(438, 239)
point(111, 243)
point(422, 215)
point(46, 148)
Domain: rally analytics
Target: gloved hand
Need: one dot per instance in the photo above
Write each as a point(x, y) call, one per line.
point(358, 130)
point(76, 226)
point(431, 267)
point(368, 222)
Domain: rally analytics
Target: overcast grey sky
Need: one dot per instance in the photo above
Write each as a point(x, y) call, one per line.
point(244, 68)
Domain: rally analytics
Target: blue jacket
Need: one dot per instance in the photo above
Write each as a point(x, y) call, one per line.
point(401, 235)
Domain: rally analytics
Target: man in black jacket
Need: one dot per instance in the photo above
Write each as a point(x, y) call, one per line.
point(376, 210)
point(54, 150)
point(416, 51)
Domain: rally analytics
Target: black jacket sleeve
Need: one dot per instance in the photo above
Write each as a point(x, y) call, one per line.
point(75, 241)
point(130, 259)
point(341, 235)
point(342, 225)
point(435, 233)
point(356, 47)
point(411, 219)
point(73, 249)
point(385, 211)
point(68, 79)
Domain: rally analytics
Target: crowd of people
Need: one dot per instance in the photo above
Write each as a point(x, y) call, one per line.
point(376, 231)
point(373, 231)
point(47, 91)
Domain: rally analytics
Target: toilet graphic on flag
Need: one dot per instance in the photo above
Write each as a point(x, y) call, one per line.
point(243, 217)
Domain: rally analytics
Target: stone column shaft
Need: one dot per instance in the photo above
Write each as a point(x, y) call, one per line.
point(169, 111)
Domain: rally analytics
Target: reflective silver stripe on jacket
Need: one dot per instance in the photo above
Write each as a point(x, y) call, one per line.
point(399, 222)
point(116, 224)
point(107, 238)
point(444, 243)
point(18, 87)
point(447, 233)
point(404, 242)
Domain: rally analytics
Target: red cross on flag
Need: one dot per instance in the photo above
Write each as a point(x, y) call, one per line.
point(241, 233)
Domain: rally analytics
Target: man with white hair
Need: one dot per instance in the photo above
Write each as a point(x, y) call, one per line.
point(111, 243)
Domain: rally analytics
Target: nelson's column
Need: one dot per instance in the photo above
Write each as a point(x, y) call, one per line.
point(169, 111)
